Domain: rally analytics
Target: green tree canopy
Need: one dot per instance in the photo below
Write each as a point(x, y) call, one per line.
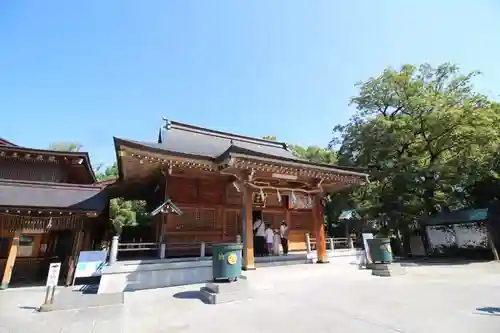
point(66, 146)
point(121, 212)
point(424, 134)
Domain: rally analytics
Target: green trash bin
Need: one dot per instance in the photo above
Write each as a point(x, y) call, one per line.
point(226, 261)
point(380, 250)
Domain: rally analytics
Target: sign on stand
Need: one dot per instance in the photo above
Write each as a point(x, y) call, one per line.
point(52, 281)
point(90, 263)
point(53, 275)
point(367, 236)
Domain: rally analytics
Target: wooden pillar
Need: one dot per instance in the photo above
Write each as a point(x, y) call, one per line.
point(11, 259)
point(247, 230)
point(319, 230)
point(72, 262)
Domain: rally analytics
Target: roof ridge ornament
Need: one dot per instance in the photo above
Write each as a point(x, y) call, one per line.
point(168, 124)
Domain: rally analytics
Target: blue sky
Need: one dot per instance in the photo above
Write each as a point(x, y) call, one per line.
point(86, 71)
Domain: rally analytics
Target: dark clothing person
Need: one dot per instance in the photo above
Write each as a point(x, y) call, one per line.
point(259, 230)
point(284, 244)
point(284, 237)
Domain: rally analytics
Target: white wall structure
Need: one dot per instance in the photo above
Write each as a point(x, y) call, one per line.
point(462, 235)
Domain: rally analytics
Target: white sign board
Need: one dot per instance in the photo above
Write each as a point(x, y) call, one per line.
point(367, 236)
point(53, 275)
point(90, 263)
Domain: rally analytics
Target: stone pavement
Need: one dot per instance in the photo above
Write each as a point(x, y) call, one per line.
point(302, 298)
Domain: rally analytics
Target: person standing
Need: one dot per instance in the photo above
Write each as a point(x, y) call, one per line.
point(284, 231)
point(259, 230)
point(269, 239)
point(276, 243)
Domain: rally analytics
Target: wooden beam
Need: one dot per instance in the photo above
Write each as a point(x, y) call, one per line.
point(319, 228)
point(11, 259)
point(247, 230)
point(75, 252)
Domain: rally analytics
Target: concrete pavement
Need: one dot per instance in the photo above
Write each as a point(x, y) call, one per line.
point(302, 298)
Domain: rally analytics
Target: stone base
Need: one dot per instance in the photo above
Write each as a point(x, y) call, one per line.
point(225, 292)
point(322, 261)
point(388, 270)
point(46, 308)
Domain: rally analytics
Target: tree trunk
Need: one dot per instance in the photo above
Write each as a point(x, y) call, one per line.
point(491, 242)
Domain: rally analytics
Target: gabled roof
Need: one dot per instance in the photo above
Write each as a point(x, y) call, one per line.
point(185, 140)
point(84, 156)
point(52, 195)
point(193, 140)
point(4, 142)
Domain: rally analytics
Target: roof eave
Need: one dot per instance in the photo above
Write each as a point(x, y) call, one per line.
point(84, 155)
point(296, 163)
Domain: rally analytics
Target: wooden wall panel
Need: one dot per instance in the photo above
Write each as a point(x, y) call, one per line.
point(41, 172)
point(297, 240)
point(301, 220)
point(273, 217)
point(183, 190)
point(211, 192)
point(233, 223)
point(233, 197)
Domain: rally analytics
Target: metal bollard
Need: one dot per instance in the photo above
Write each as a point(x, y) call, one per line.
point(308, 243)
point(202, 250)
point(163, 248)
point(332, 244)
point(113, 253)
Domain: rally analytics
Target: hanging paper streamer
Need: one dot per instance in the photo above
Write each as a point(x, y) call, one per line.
point(309, 201)
point(294, 199)
point(278, 195)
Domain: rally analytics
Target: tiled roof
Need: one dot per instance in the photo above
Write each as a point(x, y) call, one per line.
point(39, 195)
point(192, 140)
point(188, 140)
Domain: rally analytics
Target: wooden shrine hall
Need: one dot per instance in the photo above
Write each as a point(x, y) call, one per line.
point(49, 211)
point(222, 182)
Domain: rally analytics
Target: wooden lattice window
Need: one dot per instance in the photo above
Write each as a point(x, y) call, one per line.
point(193, 219)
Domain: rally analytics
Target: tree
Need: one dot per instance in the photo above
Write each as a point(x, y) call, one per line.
point(110, 172)
point(123, 212)
point(66, 146)
point(315, 154)
point(421, 131)
point(310, 153)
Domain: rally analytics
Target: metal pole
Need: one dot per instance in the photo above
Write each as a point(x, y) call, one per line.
point(52, 295)
point(308, 243)
point(113, 253)
point(47, 293)
point(163, 248)
point(202, 250)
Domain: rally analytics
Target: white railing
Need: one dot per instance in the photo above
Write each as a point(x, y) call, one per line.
point(332, 243)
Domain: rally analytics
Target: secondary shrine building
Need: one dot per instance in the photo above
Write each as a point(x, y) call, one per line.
point(49, 211)
point(222, 182)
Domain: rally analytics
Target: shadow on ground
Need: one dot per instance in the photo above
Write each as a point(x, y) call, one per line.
point(192, 294)
point(436, 262)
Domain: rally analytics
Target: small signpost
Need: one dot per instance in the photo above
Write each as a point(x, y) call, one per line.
point(52, 281)
point(368, 256)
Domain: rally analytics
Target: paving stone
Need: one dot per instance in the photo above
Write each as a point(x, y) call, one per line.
point(301, 298)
